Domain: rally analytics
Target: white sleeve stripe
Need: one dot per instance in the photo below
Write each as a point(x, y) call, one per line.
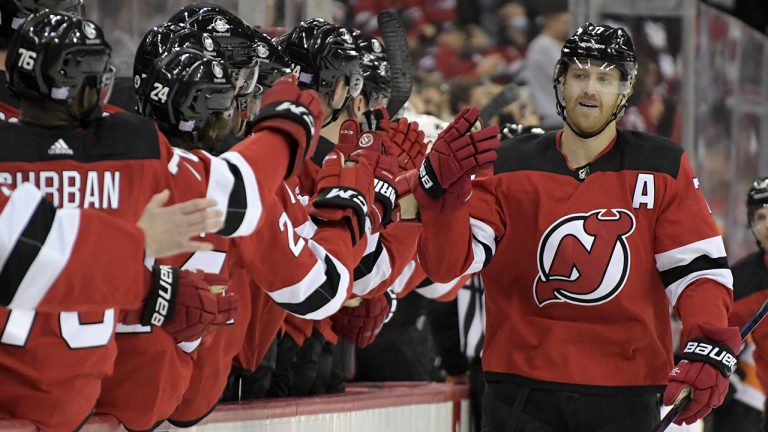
point(373, 241)
point(399, 284)
point(189, 347)
point(722, 276)
point(15, 216)
point(301, 291)
point(483, 238)
point(220, 183)
point(253, 212)
point(307, 229)
point(712, 247)
point(50, 260)
point(380, 272)
point(436, 290)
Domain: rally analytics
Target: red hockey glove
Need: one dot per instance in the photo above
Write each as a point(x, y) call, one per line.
point(350, 131)
point(361, 324)
point(443, 184)
point(295, 113)
point(184, 303)
point(707, 361)
point(408, 144)
point(371, 147)
point(343, 194)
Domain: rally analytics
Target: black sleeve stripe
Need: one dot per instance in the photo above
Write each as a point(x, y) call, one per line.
point(321, 296)
point(698, 264)
point(25, 248)
point(426, 282)
point(238, 204)
point(487, 249)
point(368, 262)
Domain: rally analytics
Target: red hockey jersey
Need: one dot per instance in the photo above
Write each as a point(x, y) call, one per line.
point(49, 258)
point(580, 265)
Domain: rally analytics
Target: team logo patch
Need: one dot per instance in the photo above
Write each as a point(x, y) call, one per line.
point(208, 43)
point(89, 29)
point(365, 140)
point(220, 25)
point(217, 71)
point(584, 258)
point(262, 50)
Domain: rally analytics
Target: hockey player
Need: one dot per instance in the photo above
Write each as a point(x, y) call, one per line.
point(87, 167)
point(750, 279)
point(584, 236)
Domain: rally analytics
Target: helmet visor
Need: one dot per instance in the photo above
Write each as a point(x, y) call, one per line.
point(591, 76)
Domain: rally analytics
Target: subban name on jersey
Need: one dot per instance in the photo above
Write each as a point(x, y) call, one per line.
point(88, 189)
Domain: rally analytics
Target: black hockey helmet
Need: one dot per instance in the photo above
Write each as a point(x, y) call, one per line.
point(14, 12)
point(374, 65)
point(273, 63)
point(611, 47)
point(165, 38)
point(323, 53)
point(55, 56)
point(183, 90)
point(238, 40)
point(757, 198)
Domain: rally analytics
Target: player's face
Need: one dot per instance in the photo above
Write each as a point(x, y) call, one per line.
point(592, 91)
point(760, 227)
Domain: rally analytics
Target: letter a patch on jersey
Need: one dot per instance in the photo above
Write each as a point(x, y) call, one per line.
point(584, 258)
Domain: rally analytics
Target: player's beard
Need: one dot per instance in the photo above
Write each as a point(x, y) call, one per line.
point(588, 119)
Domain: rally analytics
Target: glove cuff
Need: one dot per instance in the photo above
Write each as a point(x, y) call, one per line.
point(291, 119)
point(161, 303)
point(721, 356)
point(429, 182)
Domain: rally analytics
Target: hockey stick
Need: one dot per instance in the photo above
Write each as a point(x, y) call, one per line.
point(399, 58)
point(506, 96)
point(685, 395)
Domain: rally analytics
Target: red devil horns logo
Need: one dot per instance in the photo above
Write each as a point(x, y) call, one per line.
point(584, 258)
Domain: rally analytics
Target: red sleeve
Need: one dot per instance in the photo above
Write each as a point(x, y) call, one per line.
point(690, 254)
point(470, 234)
point(386, 257)
point(242, 180)
point(53, 258)
point(701, 304)
point(305, 269)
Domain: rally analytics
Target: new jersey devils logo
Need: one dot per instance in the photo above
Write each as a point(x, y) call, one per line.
point(584, 258)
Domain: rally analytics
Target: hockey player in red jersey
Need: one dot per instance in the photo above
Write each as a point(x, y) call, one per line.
point(584, 237)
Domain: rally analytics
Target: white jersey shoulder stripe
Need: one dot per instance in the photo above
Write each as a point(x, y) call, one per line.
point(712, 247)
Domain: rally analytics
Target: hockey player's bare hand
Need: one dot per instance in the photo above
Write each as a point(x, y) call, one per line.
point(168, 230)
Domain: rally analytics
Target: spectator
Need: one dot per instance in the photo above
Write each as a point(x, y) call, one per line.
point(542, 54)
